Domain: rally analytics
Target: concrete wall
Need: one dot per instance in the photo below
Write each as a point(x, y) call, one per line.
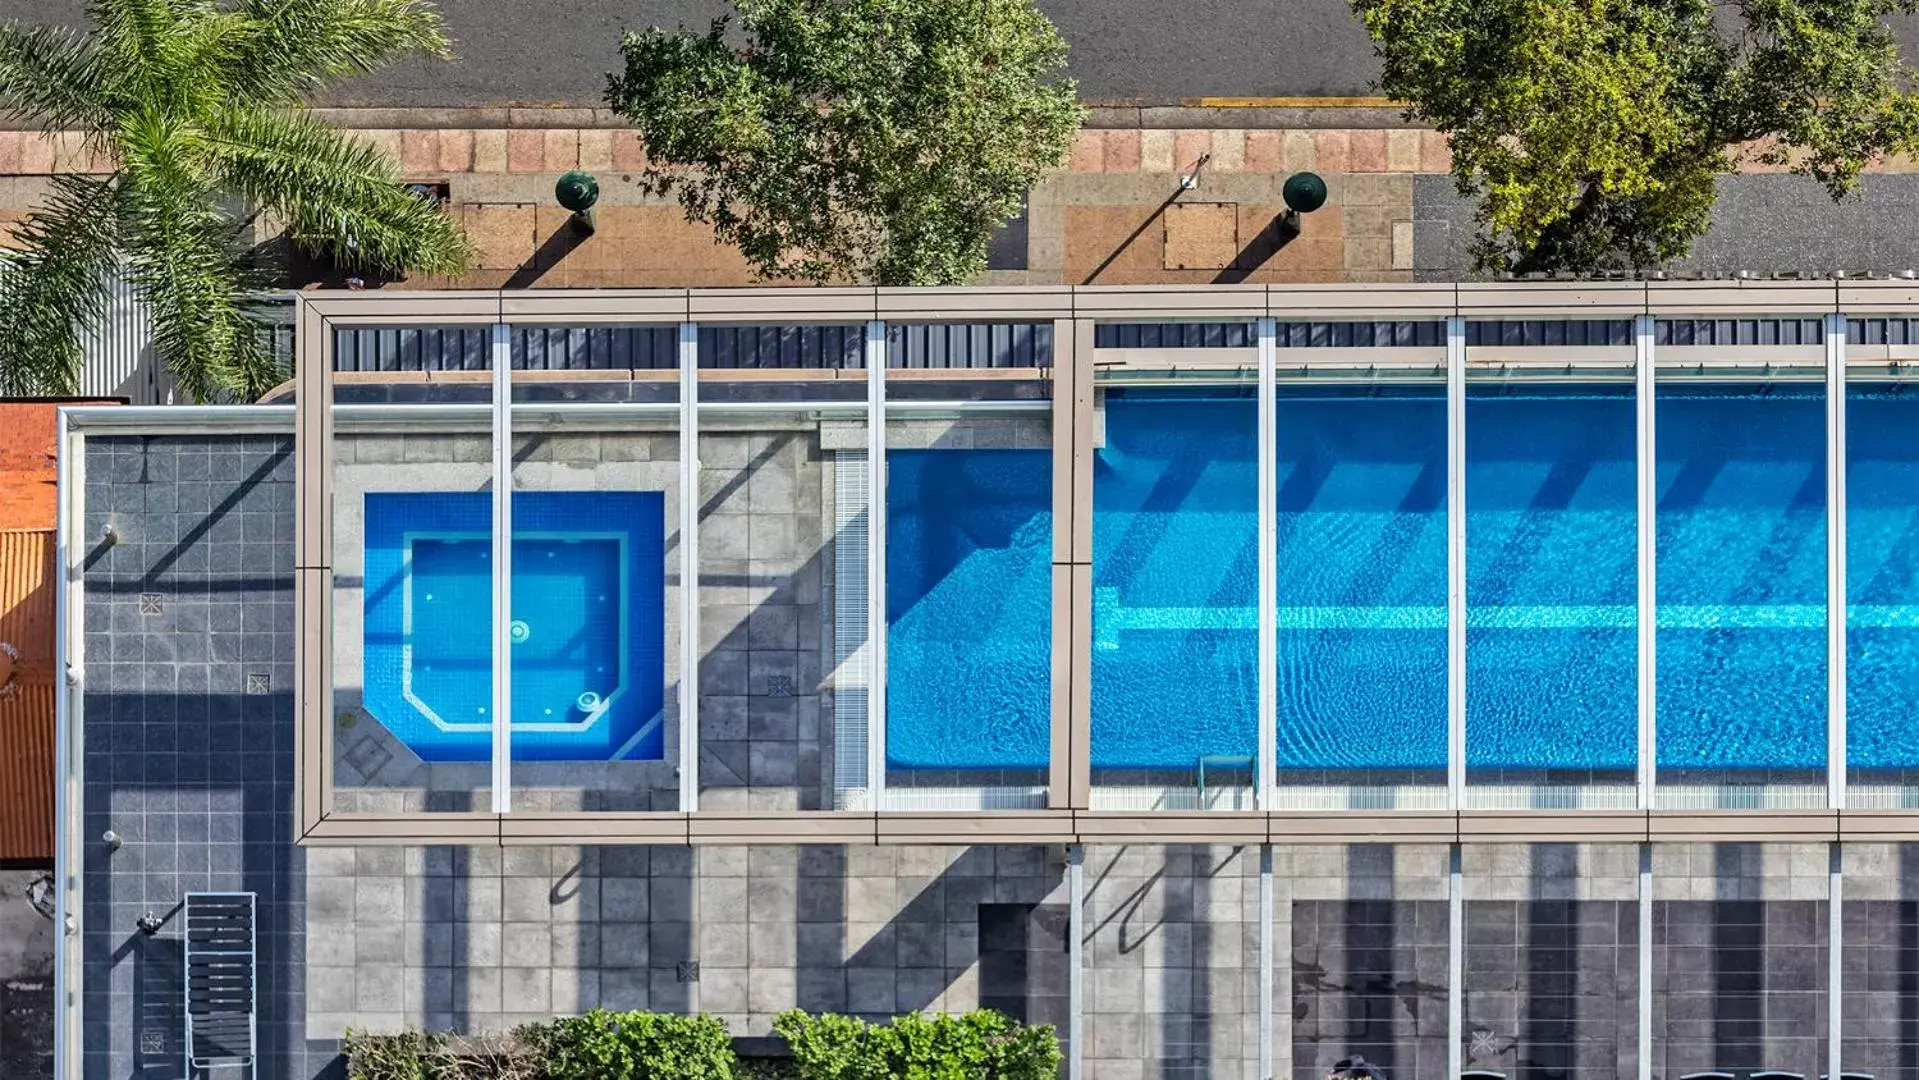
point(1115, 213)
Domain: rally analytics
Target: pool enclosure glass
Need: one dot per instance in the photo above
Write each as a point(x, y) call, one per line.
point(1742, 594)
point(1360, 537)
point(594, 622)
point(1551, 572)
point(968, 567)
point(1882, 594)
point(1479, 591)
point(414, 718)
point(1175, 542)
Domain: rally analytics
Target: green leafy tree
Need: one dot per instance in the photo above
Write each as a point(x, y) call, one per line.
point(878, 140)
point(1592, 132)
point(191, 99)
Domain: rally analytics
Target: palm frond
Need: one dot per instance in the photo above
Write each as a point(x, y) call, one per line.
point(129, 35)
point(51, 287)
point(55, 77)
point(296, 46)
point(200, 287)
point(339, 197)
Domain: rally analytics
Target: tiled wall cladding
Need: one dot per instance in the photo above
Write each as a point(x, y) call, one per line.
point(188, 736)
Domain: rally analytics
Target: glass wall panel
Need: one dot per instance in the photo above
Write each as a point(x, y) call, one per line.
point(1882, 595)
point(1739, 959)
point(785, 664)
point(596, 586)
point(1551, 589)
point(1551, 960)
point(969, 535)
point(1366, 927)
point(1879, 995)
point(1742, 592)
point(782, 585)
point(1361, 531)
point(1175, 565)
point(412, 656)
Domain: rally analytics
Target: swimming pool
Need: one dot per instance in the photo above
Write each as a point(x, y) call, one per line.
point(1551, 582)
point(588, 604)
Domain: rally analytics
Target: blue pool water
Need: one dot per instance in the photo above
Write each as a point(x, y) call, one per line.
point(1551, 578)
point(1361, 564)
point(969, 608)
point(1882, 576)
point(1742, 578)
point(1175, 672)
point(587, 604)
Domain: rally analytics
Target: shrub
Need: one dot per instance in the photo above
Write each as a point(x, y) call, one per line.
point(980, 1045)
point(632, 1046)
point(601, 1045)
point(415, 1056)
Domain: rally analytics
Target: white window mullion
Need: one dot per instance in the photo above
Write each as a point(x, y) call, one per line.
point(502, 703)
point(1455, 563)
point(689, 361)
point(1647, 518)
point(876, 562)
point(1836, 561)
point(1268, 562)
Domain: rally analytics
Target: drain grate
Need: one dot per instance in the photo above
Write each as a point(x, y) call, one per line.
point(152, 603)
point(259, 682)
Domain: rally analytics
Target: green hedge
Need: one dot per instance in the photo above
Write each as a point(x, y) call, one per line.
point(982, 1045)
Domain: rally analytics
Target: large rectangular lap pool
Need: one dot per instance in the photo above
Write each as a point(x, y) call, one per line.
point(1361, 535)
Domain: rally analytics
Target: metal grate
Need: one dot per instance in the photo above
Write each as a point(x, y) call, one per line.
point(1738, 332)
point(1546, 333)
point(1883, 331)
point(1229, 335)
point(220, 993)
point(1388, 334)
point(945, 346)
point(595, 348)
point(824, 346)
point(851, 658)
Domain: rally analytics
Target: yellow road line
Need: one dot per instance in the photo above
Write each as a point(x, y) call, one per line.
point(1290, 103)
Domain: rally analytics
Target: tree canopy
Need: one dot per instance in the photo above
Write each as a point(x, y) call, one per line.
point(1592, 132)
point(879, 140)
point(191, 99)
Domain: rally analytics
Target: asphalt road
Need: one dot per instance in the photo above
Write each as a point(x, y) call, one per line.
point(548, 52)
point(1154, 51)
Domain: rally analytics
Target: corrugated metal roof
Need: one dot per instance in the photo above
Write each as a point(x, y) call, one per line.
point(27, 464)
point(27, 582)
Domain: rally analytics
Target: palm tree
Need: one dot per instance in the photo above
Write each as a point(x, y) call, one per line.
point(195, 101)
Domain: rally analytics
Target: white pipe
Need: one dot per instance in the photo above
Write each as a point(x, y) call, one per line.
point(1075, 960)
point(1835, 957)
point(876, 562)
point(1455, 564)
point(1836, 563)
point(1266, 959)
point(1646, 516)
point(66, 666)
point(502, 570)
point(689, 567)
point(1455, 965)
point(1268, 561)
point(1645, 962)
